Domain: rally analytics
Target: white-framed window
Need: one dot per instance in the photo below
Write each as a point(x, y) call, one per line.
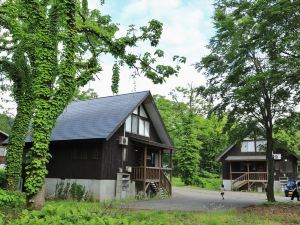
point(261, 145)
point(248, 146)
point(138, 122)
point(142, 112)
point(128, 124)
point(147, 129)
point(135, 123)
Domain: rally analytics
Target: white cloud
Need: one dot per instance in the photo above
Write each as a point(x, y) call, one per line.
point(187, 28)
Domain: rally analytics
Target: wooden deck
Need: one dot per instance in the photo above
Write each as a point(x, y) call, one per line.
point(248, 178)
point(161, 177)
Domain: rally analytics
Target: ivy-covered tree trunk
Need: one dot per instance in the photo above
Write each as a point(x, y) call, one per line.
point(63, 41)
point(16, 144)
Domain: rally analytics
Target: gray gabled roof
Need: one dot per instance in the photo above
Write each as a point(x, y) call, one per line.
point(96, 118)
point(100, 118)
point(218, 158)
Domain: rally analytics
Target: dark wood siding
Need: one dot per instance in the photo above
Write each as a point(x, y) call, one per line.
point(80, 159)
point(112, 156)
point(236, 151)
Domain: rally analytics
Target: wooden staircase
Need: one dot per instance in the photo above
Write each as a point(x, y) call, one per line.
point(155, 178)
point(160, 191)
point(249, 178)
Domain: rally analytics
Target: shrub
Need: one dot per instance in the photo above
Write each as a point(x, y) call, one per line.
point(209, 183)
point(11, 199)
point(74, 191)
point(2, 178)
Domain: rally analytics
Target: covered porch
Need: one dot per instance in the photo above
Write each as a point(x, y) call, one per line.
point(153, 167)
point(246, 171)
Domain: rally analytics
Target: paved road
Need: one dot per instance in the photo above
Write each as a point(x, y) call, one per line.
point(186, 199)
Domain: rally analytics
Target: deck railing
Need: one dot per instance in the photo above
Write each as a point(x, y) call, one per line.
point(153, 174)
point(251, 176)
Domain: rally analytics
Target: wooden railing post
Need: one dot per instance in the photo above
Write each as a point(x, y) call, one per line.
point(145, 168)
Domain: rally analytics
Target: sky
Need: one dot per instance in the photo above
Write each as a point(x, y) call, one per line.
point(187, 28)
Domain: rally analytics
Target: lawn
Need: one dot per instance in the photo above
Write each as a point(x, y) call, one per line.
point(72, 212)
point(204, 183)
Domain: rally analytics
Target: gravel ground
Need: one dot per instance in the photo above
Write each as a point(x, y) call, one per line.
point(187, 199)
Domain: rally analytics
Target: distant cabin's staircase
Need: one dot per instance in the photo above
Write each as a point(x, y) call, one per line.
point(249, 178)
point(160, 191)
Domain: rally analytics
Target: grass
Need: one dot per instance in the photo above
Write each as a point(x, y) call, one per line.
point(205, 183)
point(72, 212)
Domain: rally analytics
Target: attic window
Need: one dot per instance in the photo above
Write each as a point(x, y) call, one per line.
point(138, 122)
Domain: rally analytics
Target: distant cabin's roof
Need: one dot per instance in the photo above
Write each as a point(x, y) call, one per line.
point(246, 158)
point(101, 117)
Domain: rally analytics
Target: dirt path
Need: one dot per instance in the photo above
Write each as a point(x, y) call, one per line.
point(187, 199)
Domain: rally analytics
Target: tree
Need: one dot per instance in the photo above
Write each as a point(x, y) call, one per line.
point(14, 66)
point(244, 68)
point(84, 95)
point(5, 123)
point(62, 42)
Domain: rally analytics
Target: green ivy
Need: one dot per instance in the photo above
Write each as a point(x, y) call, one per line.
point(57, 72)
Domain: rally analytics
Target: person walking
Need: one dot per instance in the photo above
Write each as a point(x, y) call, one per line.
point(295, 191)
point(222, 191)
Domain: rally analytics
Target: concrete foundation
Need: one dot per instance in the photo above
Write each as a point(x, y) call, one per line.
point(277, 185)
point(98, 189)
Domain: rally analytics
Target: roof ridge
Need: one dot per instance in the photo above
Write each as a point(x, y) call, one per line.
point(109, 96)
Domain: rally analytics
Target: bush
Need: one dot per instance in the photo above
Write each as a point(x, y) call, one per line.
point(11, 199)
point(74, 191)
point(2, 178)
point(209, 183)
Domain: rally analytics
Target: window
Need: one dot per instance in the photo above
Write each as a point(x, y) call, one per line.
point(248, 146)
point(261, 145)
point(138, 122)
point(135, 123)
point(142, 112)
point(128, 124)
point(141, 127)
point(252, 146)
point(147, 129)
point(95, 154)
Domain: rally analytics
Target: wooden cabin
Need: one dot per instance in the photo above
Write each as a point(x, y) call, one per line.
point(244, 166)
point(113, 145)
point(3, 136)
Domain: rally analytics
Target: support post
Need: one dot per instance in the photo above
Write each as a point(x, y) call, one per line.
point(145, 168)
point(171, 171)
point(248, 176)
point(159, 165)
point(231, 176)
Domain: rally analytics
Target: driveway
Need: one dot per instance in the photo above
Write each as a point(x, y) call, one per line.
point(187, 199)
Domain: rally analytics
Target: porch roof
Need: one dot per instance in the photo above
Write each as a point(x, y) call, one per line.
point(246, 158)
point(152, 143)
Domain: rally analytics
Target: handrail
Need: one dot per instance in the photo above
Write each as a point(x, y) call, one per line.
point(155, 174)
point(252, 176)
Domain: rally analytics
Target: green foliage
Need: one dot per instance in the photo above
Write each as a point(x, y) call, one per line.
point(211, 183)
point(2, 178)
point(11, 199)
point(247, 68)
point(84, 95)
point(6, 123)
point(198, 139)
point(56, 46)
point(72, 191)
point(94, 213)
